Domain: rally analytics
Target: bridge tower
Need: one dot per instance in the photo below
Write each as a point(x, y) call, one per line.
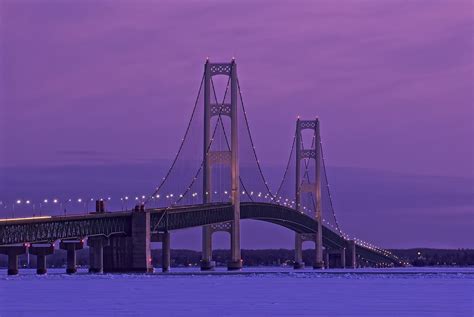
point(221, 157)
point(312, 187)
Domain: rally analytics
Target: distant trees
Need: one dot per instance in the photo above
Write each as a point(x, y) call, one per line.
point(268, 257)
point(437, 257)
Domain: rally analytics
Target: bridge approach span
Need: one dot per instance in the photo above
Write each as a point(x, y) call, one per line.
point(37, 230)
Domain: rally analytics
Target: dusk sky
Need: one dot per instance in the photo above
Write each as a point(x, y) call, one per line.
point(94, 82)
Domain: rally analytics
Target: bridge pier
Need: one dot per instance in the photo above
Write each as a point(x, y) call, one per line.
point(343, 258)
point(235, 262)
point(41, 251)
point(206, 260)
point(141, 252)
point(71, 246)
point(352, 254)
point(165, 239)
point(166, 252)
point(131, 254)
point(299, 264)
point(13, 251)
point(335, 258)
point(96, 253)
point(319, 263)
point(326, 262)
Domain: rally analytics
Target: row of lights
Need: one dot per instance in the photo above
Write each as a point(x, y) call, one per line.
point(280, 200)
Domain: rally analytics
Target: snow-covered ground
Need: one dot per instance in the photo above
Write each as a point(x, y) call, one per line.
point(254, 292)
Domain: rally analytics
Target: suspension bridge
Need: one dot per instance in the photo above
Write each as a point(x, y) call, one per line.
point(214, 181)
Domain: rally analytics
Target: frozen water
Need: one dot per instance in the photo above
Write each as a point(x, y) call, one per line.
point(255, 292)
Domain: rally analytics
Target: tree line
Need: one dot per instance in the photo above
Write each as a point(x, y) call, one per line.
point(266, 257)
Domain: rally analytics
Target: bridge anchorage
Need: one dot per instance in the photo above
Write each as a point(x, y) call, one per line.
point(121, 241)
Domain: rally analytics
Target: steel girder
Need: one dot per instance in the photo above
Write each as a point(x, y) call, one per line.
point(51, 229)
point(63, 228)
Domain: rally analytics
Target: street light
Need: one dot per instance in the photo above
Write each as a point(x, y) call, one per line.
point(45, 201)
point(65, 204)
point(18, 202)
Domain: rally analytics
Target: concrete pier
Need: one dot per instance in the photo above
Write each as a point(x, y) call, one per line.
point(141, 252)
point(96, 253)
point(352, 254)
point(13, 252)
point(164, 239)
point(117, 255)
point(206, 261)
point(166, 252)
point(335, 258)
point(343, 258)
point(319, 263)
point(132, 253)
point(234, 265)
point(298, 264)
point(71, 246)
point(41, 251)
point(207, 265)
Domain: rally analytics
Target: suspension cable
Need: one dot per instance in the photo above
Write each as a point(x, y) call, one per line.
point(278, 192)
point(227, 139)
point(181, 197)
point(327, 183)
point(180, 146)
point(209, 145)
point(328, 189)
point(251, 142)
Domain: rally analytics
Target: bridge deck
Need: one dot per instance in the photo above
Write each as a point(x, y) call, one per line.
point(48, 229)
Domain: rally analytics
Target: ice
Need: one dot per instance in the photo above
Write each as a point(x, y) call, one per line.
point(252, 292)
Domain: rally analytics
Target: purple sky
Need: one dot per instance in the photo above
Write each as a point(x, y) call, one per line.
point(392, 81)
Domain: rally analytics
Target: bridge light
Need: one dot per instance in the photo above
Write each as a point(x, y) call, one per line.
point(109, 198)
point(126, 197)
point(136, 198)
point(143, 197)
point(157, 196)
point(171, 195)
point(18, 201)
point(55, 201)
point(27, 202)
point(45, 201)
point(79, 200)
